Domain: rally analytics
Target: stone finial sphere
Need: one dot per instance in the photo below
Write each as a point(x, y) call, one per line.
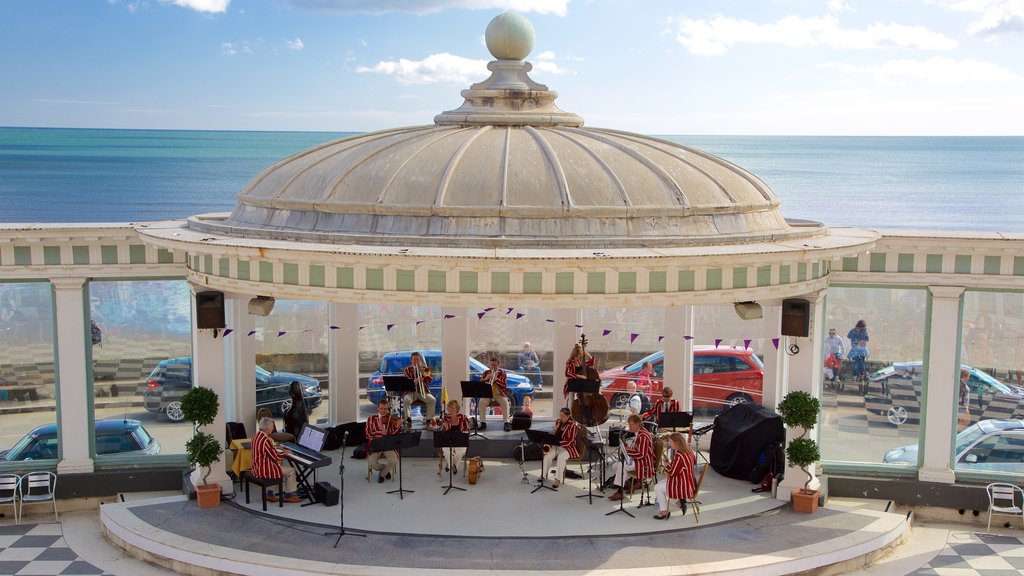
point(509, 36)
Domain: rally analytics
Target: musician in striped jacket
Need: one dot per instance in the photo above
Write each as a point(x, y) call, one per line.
point(266, 462)
point(453, 420)
point(498, 379)
point(664, 404)
point(568, 436)
point(640, 453)
point(679, 484)
point(378, 425)
point(419, 373)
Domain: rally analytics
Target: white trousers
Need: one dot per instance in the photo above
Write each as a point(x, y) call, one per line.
point(560, 455)
point(429, 400)
point(619, 466)
point(390, 461)
point(483, 408)
point(661, 494)
point(457, 454)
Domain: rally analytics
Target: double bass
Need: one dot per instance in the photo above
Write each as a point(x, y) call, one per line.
point(588, 409)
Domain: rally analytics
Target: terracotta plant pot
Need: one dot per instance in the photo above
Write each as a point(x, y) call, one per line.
point(805, 501)
point(208, 496)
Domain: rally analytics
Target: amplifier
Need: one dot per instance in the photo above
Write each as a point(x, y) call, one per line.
point(325, 493)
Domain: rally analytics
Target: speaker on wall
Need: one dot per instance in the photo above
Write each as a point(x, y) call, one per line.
point(796, 317)
point(210, 310)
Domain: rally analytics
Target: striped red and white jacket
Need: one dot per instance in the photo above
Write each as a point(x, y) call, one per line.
point(266, 458)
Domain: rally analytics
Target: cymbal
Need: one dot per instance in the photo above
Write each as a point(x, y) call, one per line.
point(620, 412)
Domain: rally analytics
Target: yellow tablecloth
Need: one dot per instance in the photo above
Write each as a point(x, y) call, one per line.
point(243, 456)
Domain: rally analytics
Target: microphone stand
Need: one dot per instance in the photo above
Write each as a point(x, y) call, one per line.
point(341, 497)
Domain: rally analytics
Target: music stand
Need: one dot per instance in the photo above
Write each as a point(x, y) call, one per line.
point(584, 386)
point(397, 385)
point(592, 448)
point(541, 437)
point(396, 442)
point(341, 498)
point(478, 391)
point(450, 439)
point(675, 420)
point(622, 465)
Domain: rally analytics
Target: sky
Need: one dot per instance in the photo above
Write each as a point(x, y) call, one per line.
point(727, 67)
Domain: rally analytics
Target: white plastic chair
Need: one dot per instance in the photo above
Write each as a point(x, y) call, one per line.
point(39, 487)
point(1002, 501)
point(9, 491)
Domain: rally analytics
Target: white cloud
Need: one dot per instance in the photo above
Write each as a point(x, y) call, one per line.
point(211, 6)
point(996, 16)
point(558, 7)
point(712, 37)
point(545, 62)
point(295, 44)
point(938, 71)
point(443, 67)
point(837, 6)
point(234, 49)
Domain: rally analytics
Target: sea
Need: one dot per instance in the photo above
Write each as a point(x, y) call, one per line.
point(64, 175)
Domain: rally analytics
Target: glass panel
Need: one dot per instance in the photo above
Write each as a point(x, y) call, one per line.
point(506, 336)
point(27, 390)
point(141, 365)
point(992, 351)
point(871, 405)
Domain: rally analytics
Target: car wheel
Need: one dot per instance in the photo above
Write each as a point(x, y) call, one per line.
point(620, 401)
point(513, 400)
point(174, 412)
point(897, 415)
point(285, 406)
point(737, 398)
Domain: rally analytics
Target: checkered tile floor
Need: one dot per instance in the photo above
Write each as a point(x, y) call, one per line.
point(39, 549)
point(969, 554)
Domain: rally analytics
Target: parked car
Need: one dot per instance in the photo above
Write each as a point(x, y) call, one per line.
point(895, 391)
point(990, 445)
point(722, 376)
point(169, 381)
point(394, 363)
point(116, 436)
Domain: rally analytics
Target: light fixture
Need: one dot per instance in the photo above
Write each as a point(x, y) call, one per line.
point(261, 305)
point(748, 310)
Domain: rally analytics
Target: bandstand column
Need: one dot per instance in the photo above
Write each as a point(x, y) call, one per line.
point(678, 362)
point(240, 370)
point(941, 392)
point(566, 336)
point(209, 371)
point(74, 381)
point(805, 371)
point(775, 368)
point(343, 362)
point(455, 350)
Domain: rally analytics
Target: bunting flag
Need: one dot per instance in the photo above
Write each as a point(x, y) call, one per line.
point(746, 343)
point(580, 326)
point(632, 337)
point(449, 316)
point(775, 342)
point(660, 338)
point(550, 321)
point(361, 327)
point(489, 309)
point(519, 315)
point(605, 332)
point(281, 333)
point(227, 331)
point(509, 311)
point(335, 327)
point(480, 315)
point(687, 338)
point(251, 332)
point(717, 342)
point(390, 326)
point(418, 322)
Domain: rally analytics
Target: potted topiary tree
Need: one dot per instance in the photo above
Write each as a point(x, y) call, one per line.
point(199, 405)
point(799, 408)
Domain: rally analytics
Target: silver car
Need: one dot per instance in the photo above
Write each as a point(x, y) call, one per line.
point(989, 445)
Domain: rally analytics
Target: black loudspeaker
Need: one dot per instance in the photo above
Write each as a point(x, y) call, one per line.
point(796, 317)
point(209, 310)
point(325, 493)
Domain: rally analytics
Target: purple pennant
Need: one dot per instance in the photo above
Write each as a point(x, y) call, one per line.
point(746, 343)
point(509, 311)
point(550, 321)
point(632, 337)
point(420, 322)
point(449, 316)
point(717, 342)
point(578, 325)
point(281, 333)
point(775, 342)
point(390, 326)
point(251, 332)
point(605, 332)
point(228, 331)
point(335, 327)
point(488, 309)
point(687, 338)
point(660, 338)
point(519, 315)
point(361, 327)
point(480, 315)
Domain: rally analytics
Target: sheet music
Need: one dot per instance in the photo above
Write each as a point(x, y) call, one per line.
point(311, 438)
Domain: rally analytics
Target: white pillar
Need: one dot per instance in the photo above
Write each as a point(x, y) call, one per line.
point(455, 351)
point(566, 336)
point(805, 373)
point(74, 375)
point(775, 368)
point(940, 392)
point(678, 363)
point(343, 362)
point(240, 371)
point(208, 370)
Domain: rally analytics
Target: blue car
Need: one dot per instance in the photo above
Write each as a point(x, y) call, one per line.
point(394, 363)
point(115, 436)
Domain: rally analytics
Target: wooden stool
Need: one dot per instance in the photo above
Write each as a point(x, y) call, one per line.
point(264, 483)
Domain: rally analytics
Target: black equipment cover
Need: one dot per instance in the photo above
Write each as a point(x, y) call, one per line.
point(742, 433)
point(326, 493)
point(533, 452)
point(521, 420)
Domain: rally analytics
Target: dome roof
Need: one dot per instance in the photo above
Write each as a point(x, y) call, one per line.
point(507, 169)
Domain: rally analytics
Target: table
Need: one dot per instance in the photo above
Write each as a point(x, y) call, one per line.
point(242, 449)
